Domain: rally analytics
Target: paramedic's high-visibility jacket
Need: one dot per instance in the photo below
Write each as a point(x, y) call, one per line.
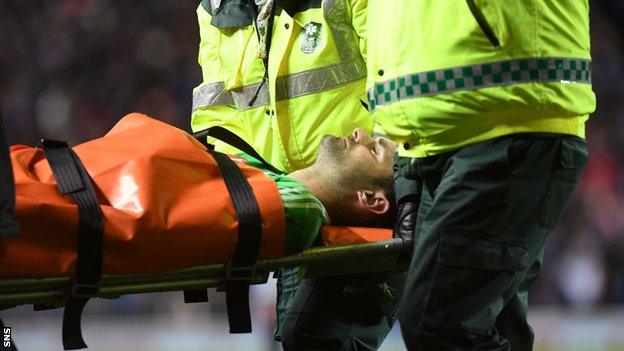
point(447, 73)
point(316, 77)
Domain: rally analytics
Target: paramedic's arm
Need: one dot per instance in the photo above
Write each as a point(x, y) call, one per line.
point(209, 108)
point(357, 19)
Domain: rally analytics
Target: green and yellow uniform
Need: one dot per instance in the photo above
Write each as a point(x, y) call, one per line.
point(448, 73)
point(488, 100)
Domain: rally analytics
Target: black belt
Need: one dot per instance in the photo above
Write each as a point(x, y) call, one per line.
point(72, 179)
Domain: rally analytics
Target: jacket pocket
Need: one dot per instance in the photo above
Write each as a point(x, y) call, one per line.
point(471, 275)
point(483, 23)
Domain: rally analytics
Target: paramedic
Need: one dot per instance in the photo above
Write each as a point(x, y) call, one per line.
point(282, 74)
point(488, 101)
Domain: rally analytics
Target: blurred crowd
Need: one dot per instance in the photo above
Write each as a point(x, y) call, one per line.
point(72, 68)
point(69, 69)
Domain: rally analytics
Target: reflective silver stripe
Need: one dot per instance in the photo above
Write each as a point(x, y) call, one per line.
point(287, 87)
point(243, 95)
point(335, 12)
point(320, 79)
point(490, 74)
point(213, 94)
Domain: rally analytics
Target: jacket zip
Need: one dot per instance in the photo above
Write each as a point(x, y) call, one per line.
point(485, 26)
point(265, 60)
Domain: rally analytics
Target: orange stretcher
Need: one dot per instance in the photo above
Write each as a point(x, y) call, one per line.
point(167, 220)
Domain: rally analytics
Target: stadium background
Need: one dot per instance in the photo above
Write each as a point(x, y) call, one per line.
point(69, 69)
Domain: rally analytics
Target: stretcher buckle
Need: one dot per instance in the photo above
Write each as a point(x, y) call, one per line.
point(52, 143)
point(85, 290)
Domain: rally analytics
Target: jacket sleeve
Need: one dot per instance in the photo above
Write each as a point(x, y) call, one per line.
point(207, 111)
point(358, 12)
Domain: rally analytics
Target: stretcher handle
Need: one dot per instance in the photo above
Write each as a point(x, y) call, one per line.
point(234, 140)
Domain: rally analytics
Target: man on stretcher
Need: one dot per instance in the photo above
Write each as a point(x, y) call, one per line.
point(165, 205)
point(161, 195)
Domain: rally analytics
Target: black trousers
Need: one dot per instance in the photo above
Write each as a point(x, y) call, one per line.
point(484, 219)
point(8, 225)
point(344, 313)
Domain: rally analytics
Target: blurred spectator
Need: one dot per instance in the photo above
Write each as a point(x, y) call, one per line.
point(86, 63)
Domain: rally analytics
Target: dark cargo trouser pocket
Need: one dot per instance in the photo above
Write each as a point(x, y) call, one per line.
point(376, 294)
point(572, 158)
point(471, 274)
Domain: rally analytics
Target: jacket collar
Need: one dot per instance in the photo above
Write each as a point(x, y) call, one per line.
point(238, 13)
point(232, 14)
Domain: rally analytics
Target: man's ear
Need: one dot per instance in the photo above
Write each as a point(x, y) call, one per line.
point(373, 201)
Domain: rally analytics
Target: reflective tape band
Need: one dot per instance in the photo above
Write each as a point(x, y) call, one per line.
point(546, 69)
point(212, 94)
point(320, 79)
point(336, 13)
point(215, 94)
point(287, 87)
point(244, 94)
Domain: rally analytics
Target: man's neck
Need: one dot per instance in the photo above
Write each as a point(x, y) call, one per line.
point(312, 179)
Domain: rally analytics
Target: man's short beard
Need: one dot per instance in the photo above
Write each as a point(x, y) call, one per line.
point(331, 152)
point(334, 159)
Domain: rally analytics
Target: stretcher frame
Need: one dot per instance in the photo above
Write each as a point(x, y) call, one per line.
point(381, 256)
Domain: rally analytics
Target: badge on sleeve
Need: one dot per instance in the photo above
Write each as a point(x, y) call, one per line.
point(311, 37)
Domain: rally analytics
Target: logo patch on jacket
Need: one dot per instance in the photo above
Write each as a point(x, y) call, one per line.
point(311, 37)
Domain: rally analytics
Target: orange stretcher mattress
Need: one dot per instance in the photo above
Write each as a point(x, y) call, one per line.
point(333, 235)
point(164, 202)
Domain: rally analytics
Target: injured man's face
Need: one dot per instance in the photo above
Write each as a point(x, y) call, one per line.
point(353, 178)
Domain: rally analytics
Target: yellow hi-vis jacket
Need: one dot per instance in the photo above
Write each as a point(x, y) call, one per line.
point(316, 78)
point(443, 74)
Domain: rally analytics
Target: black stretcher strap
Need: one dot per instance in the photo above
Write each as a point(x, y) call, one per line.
point(249, 237)
point(8, 225)
point(233, 140)
point(195, 296)
point(201, 295)
point(72, 179)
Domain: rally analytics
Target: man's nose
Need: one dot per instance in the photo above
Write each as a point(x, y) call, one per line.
point(360, 136)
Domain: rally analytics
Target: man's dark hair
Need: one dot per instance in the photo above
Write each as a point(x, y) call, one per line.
point(387, 220)
point(386, 184)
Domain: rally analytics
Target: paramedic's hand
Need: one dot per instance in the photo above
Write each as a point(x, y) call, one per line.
point(406, 221)
point(407, 188)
